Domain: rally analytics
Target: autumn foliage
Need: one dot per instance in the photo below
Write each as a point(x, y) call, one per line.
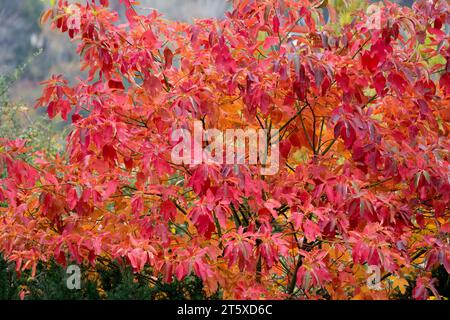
point(363, 111)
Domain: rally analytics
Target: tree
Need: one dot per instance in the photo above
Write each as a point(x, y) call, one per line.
point(363, 183)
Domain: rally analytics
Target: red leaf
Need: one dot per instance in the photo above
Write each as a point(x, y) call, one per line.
point(379, 83)
point(202, 218)
point(168, 57)
point(109, 153)
point(445, 227)
point(72, 198)
point(138, 258)
point(444, 83)
point(285, 148)
point(152, 84)
point(311, 230)
point(65, 109)
point(272, 205)
point(110, 189)
point(137, 204)
point(75, 118)
point(398, 83)
point(276, 25)
point(168, 210)
point(301, 84)
point(51, 110)
point(181, 271)
point(269, 42)
point(116, 84)
point(369, 62)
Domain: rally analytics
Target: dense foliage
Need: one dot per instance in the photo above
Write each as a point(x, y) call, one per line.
point(363, 114)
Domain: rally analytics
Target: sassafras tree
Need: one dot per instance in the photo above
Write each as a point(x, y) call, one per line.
point(363, 184)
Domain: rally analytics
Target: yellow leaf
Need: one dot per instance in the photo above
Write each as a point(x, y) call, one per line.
point(401, 284)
